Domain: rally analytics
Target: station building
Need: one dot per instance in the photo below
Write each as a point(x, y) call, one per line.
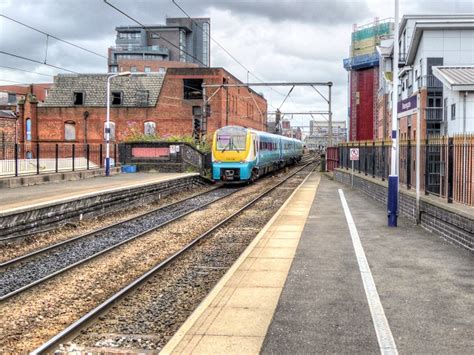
point(161, 104)
point(426, 42)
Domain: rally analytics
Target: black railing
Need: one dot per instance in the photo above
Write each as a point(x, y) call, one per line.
point(18, 159)
point(434, 113)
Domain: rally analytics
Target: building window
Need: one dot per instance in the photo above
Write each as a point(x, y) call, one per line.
point(78, 98)
point(197, 111)
point(133, 69)
point(28, 129)
point(150, 128)
point(11, 98)
point(70, 131)
point(112, 131)
point(116, 97)
point(161, 70)
point(147, 70)
point(142, 97)
point(192, 89)
point(453, 111)
point(113, 69)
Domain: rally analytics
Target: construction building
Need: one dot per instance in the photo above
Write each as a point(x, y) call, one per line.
point(362, 67)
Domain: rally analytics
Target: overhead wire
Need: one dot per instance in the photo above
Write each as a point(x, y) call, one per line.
point(53, 36)
point(26, 71)
point(249, 72)
point(37, 61)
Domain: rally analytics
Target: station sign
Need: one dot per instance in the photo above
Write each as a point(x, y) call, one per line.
point(408, 106)
point(354, 154)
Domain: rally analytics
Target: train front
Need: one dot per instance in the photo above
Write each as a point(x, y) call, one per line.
point(230, 154)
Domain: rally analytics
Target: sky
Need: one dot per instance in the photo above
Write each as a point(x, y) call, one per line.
point(277, 40)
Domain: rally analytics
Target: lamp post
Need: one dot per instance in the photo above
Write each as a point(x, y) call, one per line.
point(392, 201)
point(107, 124)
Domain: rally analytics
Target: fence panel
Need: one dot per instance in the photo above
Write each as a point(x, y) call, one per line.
point(446, 164)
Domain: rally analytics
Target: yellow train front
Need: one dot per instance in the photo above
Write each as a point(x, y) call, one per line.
point(240, 154)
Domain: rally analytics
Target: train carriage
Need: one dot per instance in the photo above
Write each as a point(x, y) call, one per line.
point(242, 154)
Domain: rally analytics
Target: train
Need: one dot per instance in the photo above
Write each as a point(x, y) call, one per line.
point(242, 154)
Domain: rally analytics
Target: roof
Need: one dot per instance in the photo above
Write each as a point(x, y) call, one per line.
point(458, 78)
point(432, 22)
point(94, 87)
point(7, 114)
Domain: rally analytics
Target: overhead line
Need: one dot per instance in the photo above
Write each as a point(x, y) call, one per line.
point(224, 49)
point(37, 61)
point(27, 71)
point(53, 36)
point(154, 32)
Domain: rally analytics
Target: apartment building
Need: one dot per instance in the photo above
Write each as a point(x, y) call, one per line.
point(425, 42)
point(155, 47)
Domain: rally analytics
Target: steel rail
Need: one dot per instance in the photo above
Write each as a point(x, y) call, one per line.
point(99, 230)
point(91, 315)
point(28, 234)
point(60, 271)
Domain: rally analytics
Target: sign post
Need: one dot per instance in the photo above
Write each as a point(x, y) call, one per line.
point(354, 155)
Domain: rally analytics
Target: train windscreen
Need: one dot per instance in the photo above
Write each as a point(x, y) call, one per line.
point(231, 142)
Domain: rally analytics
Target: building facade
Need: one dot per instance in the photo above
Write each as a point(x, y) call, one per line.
point(159, 104)
point(426, 42)
point(181, 40)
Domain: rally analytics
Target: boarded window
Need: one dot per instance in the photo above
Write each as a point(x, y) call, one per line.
point(70, 131)
point(116, 97)
point(11, 98)
point(150, 128)
point(112, 131)
point(78, 98)
point(192, 89)
point(142, 97)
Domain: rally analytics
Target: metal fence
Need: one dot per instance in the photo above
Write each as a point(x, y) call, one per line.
point(446, 164)
point(17, 159)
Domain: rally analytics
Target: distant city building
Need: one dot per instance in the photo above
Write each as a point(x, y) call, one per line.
point(150, 47)
point(319, 133)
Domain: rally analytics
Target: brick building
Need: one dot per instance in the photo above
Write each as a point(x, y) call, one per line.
point(8, 120)
point(160, 104)
point(11, 94)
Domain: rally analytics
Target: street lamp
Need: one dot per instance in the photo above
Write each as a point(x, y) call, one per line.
point(107, 124)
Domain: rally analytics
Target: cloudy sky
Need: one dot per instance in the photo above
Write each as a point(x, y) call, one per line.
point(278, 40)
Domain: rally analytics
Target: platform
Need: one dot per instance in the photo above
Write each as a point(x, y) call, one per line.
point(303, 286)
point(38, 204)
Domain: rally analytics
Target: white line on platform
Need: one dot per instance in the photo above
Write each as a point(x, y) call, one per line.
point(384, 334)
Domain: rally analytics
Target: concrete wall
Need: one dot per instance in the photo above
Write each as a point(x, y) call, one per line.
point(455, 126)
point(445, 221)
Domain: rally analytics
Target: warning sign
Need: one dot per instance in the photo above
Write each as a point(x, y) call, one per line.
point(354, 153)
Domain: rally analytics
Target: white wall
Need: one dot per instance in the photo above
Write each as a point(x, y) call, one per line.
point(457, 97)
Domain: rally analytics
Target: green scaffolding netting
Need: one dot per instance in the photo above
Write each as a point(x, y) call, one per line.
point(379, 30)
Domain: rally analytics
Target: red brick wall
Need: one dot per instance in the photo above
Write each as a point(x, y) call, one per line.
point(172, 114)
point(39, 90)
point(7, 130)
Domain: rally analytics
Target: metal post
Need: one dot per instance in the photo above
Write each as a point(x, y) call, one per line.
point(101, 162)
point(408, 164)
point(56, 157)
point(16, 159)
point(226, 106)
point(392, 201)
point(107, 130)
point(450, 169)
point(352, 174)
point(87, 154)
point(37, 158)
point(383, 160)
point(427, 154)
point(418, 158)
point(373, 159)
point(115, 155)
point(365, 159)
point(330, 116)
point(73, 156)
point(358, 161)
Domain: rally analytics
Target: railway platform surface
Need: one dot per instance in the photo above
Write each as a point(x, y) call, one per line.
point(327, 275)
point(27, 197)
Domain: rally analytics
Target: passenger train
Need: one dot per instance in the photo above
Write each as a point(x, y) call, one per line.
point(243, 154)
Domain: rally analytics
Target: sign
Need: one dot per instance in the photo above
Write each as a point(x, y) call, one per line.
point(354, 154)
point(407, 107)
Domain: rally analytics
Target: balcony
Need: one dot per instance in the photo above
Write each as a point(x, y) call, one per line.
point(148, 49)
point(434, 114)
point(402, 59)
point(429, 82)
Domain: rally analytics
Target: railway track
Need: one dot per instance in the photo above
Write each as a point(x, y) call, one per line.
point(24, 272)
point(93, 315)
